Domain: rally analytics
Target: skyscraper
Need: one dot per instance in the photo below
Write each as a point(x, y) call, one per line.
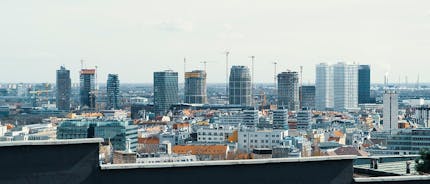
point(391, 108)
point(112, 90)
point(240, 86)
point(308, 97)
point(345, 77)
point(288, 90)
point(364, 84)
point(165, 91)
point(195, 87)
point(88, 88)
point(64, 85)
point(324, 87)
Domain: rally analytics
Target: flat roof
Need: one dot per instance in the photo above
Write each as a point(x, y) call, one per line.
point(225, 162)
point(51, 142)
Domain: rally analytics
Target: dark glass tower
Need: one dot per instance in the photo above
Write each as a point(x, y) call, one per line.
point(240, 86)
point(63, 89)
point(364, 84)
point(308, 97)
point(165, 91)
point(195, 87)
point(112, 91)
point(88, 88)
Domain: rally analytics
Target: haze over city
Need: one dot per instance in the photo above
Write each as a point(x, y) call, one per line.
point(136, 38)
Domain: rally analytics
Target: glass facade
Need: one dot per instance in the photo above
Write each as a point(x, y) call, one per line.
point(165, 91)
point(116, 132)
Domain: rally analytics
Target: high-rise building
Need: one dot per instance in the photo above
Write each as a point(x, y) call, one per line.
point(195, 87)
point(345, 84)
point(391, 110)
point(288, 90)
point(88, 88)
point(64, 90)
point(280, 119)
point(308, 97)
point(165, 91)
point(112, 91)
point(324, 87)
point(364, 84)
point(240, 86)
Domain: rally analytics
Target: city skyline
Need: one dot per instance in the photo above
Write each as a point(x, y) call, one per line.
point(137, 38)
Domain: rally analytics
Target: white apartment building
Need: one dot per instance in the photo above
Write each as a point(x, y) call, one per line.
point(214, 135)
point(324, 87)
point(391, 110)
point(250, 139)
point(345, 84)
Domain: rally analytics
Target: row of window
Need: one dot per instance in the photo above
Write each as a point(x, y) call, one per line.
point(256, 135)
point(261, 141)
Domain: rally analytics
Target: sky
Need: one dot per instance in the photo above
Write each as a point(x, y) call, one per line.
point(134, 38)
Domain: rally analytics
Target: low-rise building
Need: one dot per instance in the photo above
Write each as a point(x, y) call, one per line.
point(251, 139)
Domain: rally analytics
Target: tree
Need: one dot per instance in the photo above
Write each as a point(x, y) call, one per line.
point(423, 162)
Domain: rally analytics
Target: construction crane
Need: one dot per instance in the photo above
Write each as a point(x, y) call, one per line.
point(252, 79)
point(227, 53)
point(204, 64)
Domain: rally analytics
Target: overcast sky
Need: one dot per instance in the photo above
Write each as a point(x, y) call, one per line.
point(137, 37)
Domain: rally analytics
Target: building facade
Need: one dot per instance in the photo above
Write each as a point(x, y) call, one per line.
point(88, 88)
point(307, 97)
point(391, 110)
point(324, 87)
point(280, 119)
point(250, 139)
point(345, 86)
point(165, 91)
point(250, 118)
point(64, 89)
point(240, 87)
point(304, 118)
point(364, 84)
point(112, 91)
point(116, 132)
point(195, 87)
point(288, 90)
